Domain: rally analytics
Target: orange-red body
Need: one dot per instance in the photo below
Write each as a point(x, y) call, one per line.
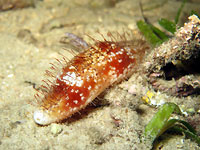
point(84, 78)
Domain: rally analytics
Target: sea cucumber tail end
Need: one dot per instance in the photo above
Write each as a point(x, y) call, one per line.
point(43, 118)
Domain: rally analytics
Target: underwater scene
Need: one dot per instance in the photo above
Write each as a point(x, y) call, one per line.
point(100, 75)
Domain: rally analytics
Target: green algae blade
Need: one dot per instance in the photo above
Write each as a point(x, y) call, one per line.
point(159, 33)
point(168, 25)
point(159, 123)
point(149, 33)
point(188, 133)
point(179, 11)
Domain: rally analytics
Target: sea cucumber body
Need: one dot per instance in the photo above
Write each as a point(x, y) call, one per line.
point(84, 78)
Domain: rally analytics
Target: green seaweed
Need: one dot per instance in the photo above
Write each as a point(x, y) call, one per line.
point(161, 123)
point(159, 33)
point(187, 132)
point(167, 25)
point(154, 35)
point(179, 11)
point(149, 34)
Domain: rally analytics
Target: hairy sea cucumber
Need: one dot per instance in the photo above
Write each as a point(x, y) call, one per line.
point(87, 75)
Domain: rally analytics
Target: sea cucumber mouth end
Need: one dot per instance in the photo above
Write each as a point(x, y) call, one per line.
point(42, 118)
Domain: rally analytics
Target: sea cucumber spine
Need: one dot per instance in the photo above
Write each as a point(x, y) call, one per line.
point(84, 78)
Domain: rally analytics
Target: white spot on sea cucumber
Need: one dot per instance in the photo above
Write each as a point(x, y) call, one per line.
point(120, 52)
point(72, 79)
point(112, 54)
point(74, 109)
point(85, 70)
point(79, 83)
point(67, 98)
point(70, 109)
point(75, 101)
point(71, 67)
point(120, 60)
point(113, 45)
point(112, 73)
point(110, 60)
point(113, 68)
point(88, 78)
point(89, 87)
